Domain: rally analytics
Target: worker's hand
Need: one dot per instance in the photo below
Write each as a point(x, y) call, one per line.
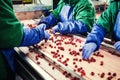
point(87, 50)
point(117, 46)
point(55, 29)
point(50, 20)
point(42, 25)
point(33, 36)
point(46, 35)
point(43, 34)
point(70, 27)
point(93, 41)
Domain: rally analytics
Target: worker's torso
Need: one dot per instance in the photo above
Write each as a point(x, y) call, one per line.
point(108, 18)
point(80, 11)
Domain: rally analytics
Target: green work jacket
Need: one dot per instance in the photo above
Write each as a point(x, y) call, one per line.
point(108, 17)
point(11, 31)
point(82, 10)
point(11, 34)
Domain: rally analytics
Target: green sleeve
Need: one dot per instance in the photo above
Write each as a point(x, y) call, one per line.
point(85, 12)
point(58, 9)
point(11, 31)
point(108, 17)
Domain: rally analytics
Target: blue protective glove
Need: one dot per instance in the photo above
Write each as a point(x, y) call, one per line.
point(71, 27)
point(50, 20)
point(43, 26)
point(93, 41)
point(88, 49)
point(117, 27)
point(34, 35)
point(117, 46)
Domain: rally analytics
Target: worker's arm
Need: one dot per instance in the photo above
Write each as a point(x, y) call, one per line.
point(71, 27)
point(48, 21)
point(117, 46)
point(11, 31)
point(34, 35)
point(53, 18)
point(117, 32)
point(93, 41)
point(103, 25)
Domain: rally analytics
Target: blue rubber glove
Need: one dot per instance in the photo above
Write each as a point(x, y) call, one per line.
point(117, 27)
point(117, 46)
point(34, 35)
point(50, 20)
point(70, 27)
point(43, 26)
point(93, 41)
point(88, 49)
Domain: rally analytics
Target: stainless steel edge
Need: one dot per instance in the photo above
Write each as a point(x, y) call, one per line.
point(35, 66)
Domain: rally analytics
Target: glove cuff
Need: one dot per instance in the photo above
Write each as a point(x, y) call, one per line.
point(72, 27)
point(32, 36)
point(97, 35)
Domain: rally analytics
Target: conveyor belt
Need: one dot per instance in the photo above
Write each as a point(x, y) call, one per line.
point(62, 53)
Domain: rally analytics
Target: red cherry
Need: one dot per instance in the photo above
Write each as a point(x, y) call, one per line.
point(109, 73)
point(76, 66)
point(74, 63)
point(114, 74)
point(38, 63)
point(36, 57)
point(101, 63)
point(53, 68)
point(102, 75)
point(92, 73)
point(49, 64)
point(65, 72)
